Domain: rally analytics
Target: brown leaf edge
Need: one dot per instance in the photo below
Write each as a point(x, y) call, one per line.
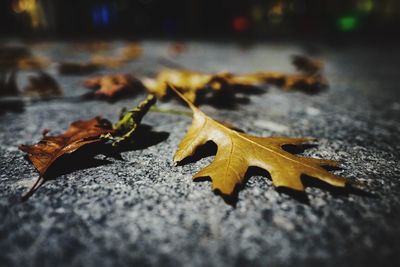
point(38, 147)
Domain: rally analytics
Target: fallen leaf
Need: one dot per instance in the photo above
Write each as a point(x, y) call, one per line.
point(238, 151)
point(42, 85)
point(191, 83)
point(111, 86)
point(51, 148)
point(80, 133)
point(187, 82)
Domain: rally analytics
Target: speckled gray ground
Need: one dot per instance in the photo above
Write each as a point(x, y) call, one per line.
point(145, 211)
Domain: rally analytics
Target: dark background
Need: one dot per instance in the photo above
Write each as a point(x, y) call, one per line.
point(255, 19)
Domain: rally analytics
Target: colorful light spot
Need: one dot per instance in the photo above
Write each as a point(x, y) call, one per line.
point(365, 6)
point(101, 15)
point(348, 23)
point(240, 24)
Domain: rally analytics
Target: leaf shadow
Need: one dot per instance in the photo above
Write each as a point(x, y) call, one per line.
point(144, 137)
point(88, 156)
point(74, 68)
point(204, 151)
point(228, 97)
point(298, 149)
point(15, 106)
point(310, 89)
point(83, 158)
point(300, 196)
point(234, 197)
point(349, 189)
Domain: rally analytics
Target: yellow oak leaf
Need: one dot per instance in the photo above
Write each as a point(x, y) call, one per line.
point(191, 83)
point(238, 151)
point(188, 82)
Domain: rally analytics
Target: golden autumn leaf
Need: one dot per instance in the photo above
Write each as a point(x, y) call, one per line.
point(191, 83)
point(187, 82)
point(238, 151)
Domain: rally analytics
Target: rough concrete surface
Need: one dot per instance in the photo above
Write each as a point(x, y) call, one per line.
point(145, 211)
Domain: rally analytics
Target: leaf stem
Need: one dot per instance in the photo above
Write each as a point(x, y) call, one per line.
point(171, 111)
point(190, 104)
point(38, 183)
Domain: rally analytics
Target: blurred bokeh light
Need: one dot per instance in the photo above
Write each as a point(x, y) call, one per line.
point(200, 18)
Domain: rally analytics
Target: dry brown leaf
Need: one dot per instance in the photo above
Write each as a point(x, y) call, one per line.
point(190, 83)
point(51, 148)
point(238, 151)
point(111, 86)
